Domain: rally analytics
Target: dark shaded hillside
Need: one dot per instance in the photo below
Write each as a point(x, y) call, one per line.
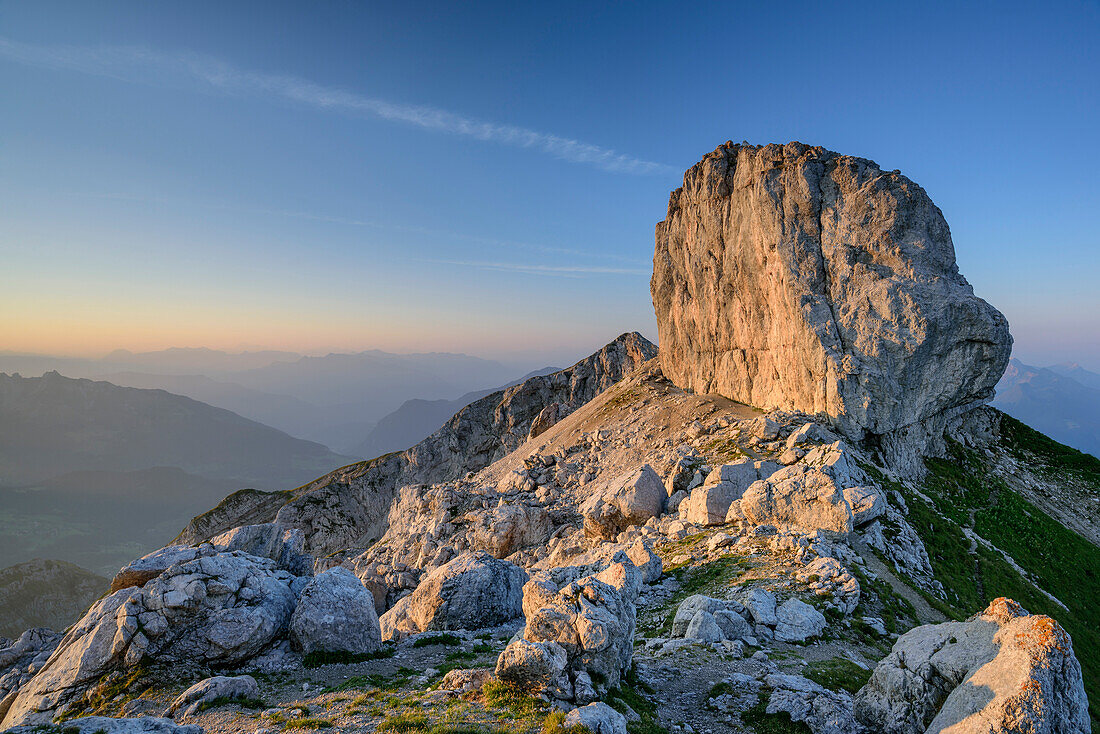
point(1055, 404)
point(52, 425)
point(101, 519)
point(45, 593)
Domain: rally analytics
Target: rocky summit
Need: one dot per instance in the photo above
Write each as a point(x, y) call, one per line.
point(797, 517)
point(791, 277)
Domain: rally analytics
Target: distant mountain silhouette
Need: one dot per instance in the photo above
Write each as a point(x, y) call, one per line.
point(290, 415)
point(1076, 372)
point(1053, 403)
point(417, 419)
point(52, 425)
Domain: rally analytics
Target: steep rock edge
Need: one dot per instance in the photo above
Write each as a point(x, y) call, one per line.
point(349, 507)
point(792, 277)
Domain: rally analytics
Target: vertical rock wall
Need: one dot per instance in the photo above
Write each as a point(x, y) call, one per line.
point(788, 276)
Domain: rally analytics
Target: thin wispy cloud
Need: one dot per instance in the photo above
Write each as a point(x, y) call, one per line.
point(150, 67)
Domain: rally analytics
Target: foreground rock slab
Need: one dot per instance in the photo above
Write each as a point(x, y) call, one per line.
point(105, 725)
point(1001, 671)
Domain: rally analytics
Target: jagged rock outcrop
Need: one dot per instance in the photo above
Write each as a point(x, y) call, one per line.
point(348, 508)
point(822, 710)
point(217, 609)
point(630, 500)
point(20, 659)
point(267, 540)
point(710, 503)
point(590, 616)
point(789, 276)
point(1001, 671)
point(799, 496)
point(243, 507)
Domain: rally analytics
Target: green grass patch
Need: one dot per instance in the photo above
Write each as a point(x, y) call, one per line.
point(554, 723)
point(445, 638)
point(837, 674)
point(308, 724)
point(375, 680)
point(1027, 444)
point(405, 722)
point(342, 657)
point(760, 721)
point(460, 655)
point(244, 703)
point(112, 692)
point(722, 450)
point(505, 696)
point(631, 693)
point(720, 689)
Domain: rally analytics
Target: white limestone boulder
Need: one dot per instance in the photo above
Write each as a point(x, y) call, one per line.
point(335, 613)
point(629, 500)
point(598, 718)
point(1002, 671)
point(470, 592)
point(191, 701)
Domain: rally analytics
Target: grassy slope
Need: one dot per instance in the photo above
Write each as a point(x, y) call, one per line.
point(966, 494)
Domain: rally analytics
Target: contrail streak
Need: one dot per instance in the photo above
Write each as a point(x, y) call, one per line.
point(149, 67)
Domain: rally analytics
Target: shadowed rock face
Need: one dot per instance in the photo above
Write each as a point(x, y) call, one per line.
point(791, 277)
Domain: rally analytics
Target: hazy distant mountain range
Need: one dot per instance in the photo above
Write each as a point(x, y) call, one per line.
point(52, 425)
point(97, 474)
point(335, 399)
point(99, 471)
point(41, 593)
point(1062, 401)
point(102, 519)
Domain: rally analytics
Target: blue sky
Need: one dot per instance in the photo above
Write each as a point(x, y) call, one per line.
point(485, 177)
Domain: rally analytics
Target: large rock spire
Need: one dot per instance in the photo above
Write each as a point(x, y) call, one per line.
point(789, 276)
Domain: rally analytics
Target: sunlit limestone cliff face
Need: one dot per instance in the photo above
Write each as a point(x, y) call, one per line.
point(792, 277)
